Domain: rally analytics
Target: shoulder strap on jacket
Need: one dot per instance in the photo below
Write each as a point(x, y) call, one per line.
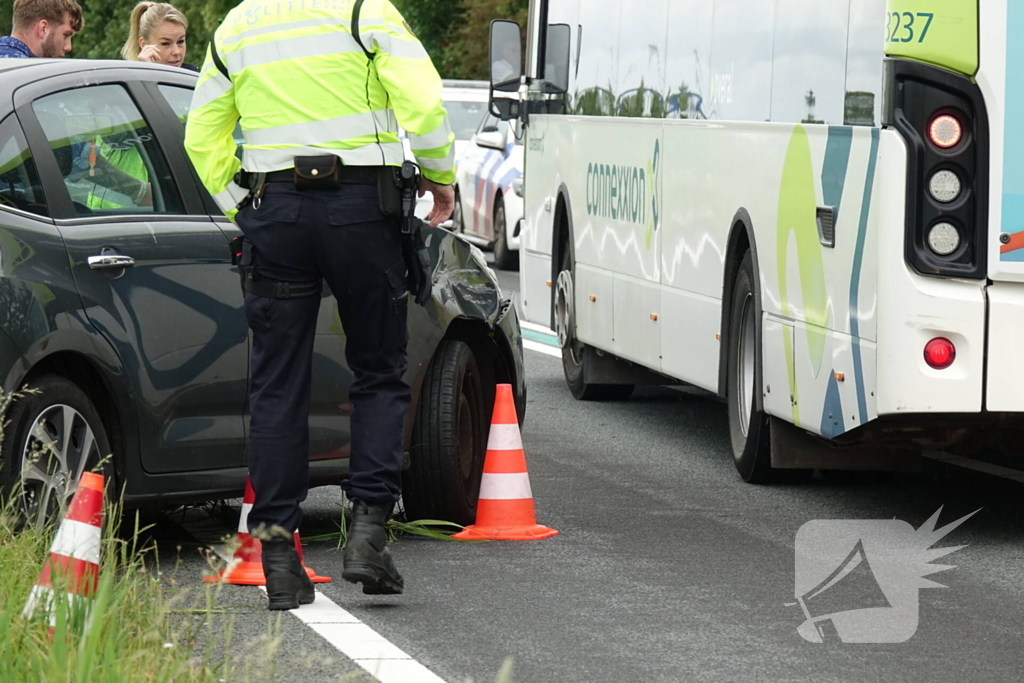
point(355, 28)
point(217, 61)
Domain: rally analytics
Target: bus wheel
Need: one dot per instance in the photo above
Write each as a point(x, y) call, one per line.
point(748, 427)
point(573, 356)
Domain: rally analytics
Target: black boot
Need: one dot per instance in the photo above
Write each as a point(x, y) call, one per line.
point(288, 585)
point(366, 556)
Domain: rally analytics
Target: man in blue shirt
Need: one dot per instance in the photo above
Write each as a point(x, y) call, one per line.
point(42, 28)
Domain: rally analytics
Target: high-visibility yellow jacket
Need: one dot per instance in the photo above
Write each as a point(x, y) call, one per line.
point(301, 85)
point(126, 159)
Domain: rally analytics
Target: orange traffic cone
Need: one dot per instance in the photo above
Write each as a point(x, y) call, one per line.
point(246, 567)
point(74, 560)
point(505, 509)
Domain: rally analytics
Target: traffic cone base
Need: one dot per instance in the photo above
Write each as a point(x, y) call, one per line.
point(511, 533)
point(246, 567)
point(505, 510)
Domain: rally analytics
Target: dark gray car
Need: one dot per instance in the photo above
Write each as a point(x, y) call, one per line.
point(121, 312)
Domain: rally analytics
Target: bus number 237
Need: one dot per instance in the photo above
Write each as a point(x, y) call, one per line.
point(904, 27)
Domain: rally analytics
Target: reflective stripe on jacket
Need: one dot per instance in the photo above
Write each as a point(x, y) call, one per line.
point(301, 85)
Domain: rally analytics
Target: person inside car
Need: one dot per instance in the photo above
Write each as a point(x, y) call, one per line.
point(157, 36)
point(42, 28)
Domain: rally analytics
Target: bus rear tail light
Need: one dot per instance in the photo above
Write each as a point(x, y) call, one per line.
point(942, 118)
point(939, 353)
point(945, 131)
point(945, 186)
point(943, 238)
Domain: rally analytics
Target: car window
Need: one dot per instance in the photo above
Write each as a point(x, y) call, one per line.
point(180, 99)
point(464, 117)
point(490, 124)
point(19, 181)
point(107, 152)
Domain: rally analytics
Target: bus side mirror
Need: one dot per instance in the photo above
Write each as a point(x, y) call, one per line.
point(506, 55)
point(556, 58)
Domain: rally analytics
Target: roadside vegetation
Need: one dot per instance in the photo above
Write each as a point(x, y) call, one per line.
point(139, 626)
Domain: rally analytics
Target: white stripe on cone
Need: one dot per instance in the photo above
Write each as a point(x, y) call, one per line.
point(78, 540)
point(504, 438)
point(43, 598)
point(505, 486)
point(243, 521)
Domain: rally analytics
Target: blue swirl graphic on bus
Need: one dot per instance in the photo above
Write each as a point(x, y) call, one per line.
point(620, 192)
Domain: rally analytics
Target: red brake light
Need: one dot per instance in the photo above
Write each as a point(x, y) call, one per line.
point(939, 353)
point(945, 131)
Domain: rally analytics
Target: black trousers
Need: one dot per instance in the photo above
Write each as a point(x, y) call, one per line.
point(341, 236)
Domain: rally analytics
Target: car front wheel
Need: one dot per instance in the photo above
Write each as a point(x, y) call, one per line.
point(54, 434)
point(504, 258)
point(449, 439)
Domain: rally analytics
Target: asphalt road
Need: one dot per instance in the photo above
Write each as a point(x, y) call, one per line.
point(667, 567)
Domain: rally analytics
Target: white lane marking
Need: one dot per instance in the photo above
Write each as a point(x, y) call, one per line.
point(506, 486)
point(542, 348)
point(374, 653)
point(504, 438)
point(536, 328)
point(976, 465)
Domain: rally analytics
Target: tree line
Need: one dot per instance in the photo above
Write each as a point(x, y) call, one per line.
point(454, 32)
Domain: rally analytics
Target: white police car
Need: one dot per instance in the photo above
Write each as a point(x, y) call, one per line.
point(466, 104)
point(489, 191)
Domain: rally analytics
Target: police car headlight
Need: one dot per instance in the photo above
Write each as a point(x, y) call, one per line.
point(517, 186)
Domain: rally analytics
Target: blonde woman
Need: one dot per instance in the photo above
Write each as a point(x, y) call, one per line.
point(157, 35)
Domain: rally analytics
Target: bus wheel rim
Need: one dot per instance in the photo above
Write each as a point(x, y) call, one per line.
point(746, 365)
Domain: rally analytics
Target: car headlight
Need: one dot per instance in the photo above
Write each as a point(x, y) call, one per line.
point(517, 186)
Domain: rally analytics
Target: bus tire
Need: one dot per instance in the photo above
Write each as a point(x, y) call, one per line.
point(573, 356)
point(748, 427)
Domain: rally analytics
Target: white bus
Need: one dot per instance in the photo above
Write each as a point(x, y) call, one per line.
point(812, 208)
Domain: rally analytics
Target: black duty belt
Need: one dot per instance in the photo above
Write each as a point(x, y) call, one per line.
point(362, 175)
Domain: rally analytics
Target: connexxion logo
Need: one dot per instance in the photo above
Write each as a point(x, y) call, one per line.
point(625, 193)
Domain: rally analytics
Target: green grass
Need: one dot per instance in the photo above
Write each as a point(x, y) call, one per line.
point(138, 626)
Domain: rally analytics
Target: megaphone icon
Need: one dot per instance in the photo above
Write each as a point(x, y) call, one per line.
point(851, 586)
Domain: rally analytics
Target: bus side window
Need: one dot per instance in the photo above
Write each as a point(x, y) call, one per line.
point(809, 70)
point(741, 63)
point(863, 106)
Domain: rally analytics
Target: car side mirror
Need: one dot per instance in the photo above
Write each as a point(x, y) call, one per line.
point(492, 139)
point(506, 55)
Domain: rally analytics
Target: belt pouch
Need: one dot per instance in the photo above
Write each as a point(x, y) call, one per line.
point(321, 172)
point(389, 193)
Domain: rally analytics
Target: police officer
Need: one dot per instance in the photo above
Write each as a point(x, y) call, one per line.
point(320, 88)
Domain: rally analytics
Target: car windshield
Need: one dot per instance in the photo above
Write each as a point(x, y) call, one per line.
point(465, 117)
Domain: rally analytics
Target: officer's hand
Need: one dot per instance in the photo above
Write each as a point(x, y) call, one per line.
point(444, 201)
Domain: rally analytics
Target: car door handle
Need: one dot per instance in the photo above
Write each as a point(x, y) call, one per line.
point(108, 261)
